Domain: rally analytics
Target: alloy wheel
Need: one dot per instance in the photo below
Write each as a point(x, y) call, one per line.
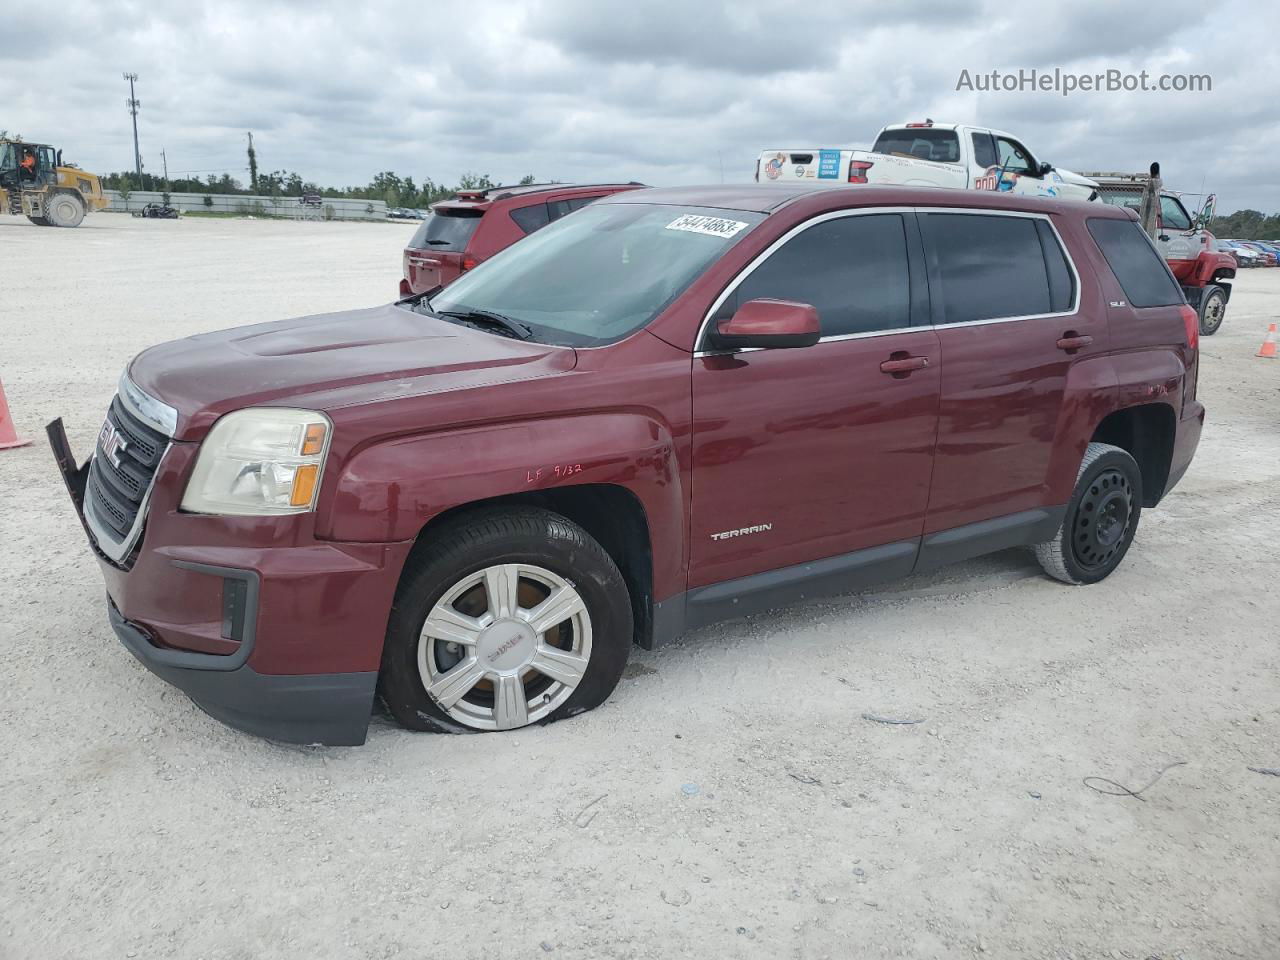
point(505, 646)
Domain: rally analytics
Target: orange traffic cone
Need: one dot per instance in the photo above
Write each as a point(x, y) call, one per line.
point(8, 435)
point(1268, 349)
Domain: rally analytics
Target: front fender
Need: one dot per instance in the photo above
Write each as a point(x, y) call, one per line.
point(390, 490)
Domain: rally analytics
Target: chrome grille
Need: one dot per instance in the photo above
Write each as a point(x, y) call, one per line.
point(125, 460)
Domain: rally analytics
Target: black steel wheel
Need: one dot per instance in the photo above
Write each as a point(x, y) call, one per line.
point(1102, 518)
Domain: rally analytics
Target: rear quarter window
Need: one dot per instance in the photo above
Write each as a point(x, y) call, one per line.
point(531, 218)
point(1142, 272)
point(447, 230)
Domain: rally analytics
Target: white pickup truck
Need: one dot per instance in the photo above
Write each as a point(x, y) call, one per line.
point(932, 155)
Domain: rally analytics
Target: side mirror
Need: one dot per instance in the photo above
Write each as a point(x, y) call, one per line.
point(1206, 212)
point(770, 323)
point(1044, 169)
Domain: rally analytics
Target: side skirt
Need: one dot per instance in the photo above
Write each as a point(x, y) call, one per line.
point(778, 588)
point(848, 572)
point(987, 536)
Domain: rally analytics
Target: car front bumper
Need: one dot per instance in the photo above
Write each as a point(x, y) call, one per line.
point(327, 708)
point(264, 627)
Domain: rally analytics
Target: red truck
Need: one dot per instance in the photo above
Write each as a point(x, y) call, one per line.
point(1183, 239)
point(675, 407)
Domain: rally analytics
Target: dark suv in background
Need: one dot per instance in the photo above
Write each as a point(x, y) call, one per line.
point(460, 233)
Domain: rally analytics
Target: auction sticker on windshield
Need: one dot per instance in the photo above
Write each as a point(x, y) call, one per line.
point(711, 226)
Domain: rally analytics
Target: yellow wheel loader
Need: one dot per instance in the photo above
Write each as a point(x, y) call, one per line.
point(35, 184)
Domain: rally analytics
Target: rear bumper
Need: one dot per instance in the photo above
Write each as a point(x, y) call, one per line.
point(1185, 442)
point(327, 708)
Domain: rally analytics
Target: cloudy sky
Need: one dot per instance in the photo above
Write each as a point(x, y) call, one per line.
point(663, 91)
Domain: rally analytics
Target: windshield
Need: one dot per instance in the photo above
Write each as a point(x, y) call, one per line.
point(446, 230)
point(923, 143)
point(599, 274)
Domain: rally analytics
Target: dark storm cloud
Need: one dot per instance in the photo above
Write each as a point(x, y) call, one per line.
point(664, 92)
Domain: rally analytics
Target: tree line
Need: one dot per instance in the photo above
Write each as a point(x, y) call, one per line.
point(1247, 225)
point(388, 186)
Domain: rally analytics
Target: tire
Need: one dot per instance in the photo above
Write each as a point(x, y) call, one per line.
point(1213, 307)
point(488, 680)
point(40, 221)
point(65, 209)
point(1102, 518)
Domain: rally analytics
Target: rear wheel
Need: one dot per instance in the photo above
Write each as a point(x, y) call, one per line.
point(1213, 307)
point(511, 617)
point(65, 210)
point(1101, 519)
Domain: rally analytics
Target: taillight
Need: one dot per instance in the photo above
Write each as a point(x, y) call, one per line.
point(858, 170)
point(468, 261)
point(1192, 321)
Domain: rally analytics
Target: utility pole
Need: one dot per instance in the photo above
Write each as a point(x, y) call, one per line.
point(253, 167)
point(133, 105)
point(165, 160)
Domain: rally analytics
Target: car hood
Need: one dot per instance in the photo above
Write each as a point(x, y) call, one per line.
point(330, 361)
point(1075, 179)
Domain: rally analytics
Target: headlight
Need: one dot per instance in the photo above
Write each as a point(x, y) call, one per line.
point(260, 461)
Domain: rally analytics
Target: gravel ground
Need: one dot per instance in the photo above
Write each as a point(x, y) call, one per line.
point(730, 800)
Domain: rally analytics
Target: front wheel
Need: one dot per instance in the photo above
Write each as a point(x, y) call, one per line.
point(1101, 519)
point(1213, 308)
point(509, 617)
point(65, 210)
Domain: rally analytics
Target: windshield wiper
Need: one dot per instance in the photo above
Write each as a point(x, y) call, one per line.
point(488, 318)
point(438, 243)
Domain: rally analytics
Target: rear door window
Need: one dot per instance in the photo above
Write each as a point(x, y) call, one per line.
point(984, 150)
point(1142, 272)
point(852, 269)
point(1062, 282)
point(990, 267)
point(447, 230)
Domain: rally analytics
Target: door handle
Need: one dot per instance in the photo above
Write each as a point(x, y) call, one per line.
point(1071, 341)
point(903, 365)
point(423, 262)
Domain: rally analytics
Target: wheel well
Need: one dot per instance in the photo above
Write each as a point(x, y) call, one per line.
point(1147, 433)
point(609, 513)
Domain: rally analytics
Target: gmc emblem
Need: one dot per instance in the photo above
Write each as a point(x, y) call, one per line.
point(111, 443)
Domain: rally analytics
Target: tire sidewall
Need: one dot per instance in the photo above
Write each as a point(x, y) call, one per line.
point(1112, 459)
point(564, 549)
point(78, 210)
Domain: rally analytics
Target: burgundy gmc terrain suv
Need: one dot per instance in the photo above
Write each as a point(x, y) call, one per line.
point(669, 408)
